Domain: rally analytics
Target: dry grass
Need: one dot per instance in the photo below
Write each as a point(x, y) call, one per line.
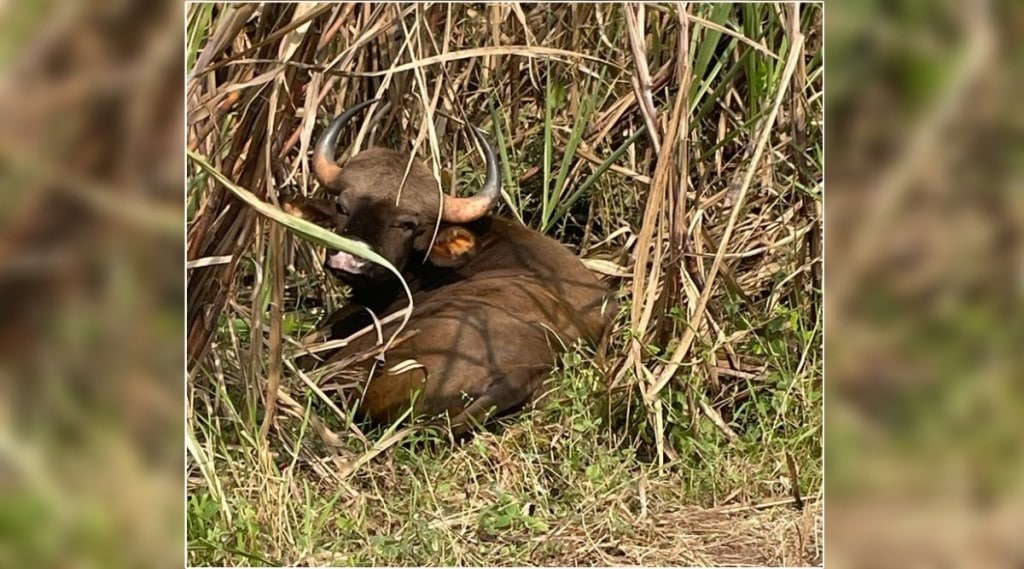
point(677, 149)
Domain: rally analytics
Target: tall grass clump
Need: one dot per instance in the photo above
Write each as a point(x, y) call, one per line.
point(677, 148)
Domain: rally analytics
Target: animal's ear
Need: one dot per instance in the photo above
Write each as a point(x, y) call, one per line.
point(318, 211)
point(453, 247)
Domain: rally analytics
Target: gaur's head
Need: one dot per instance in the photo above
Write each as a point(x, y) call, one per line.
point(370, 203)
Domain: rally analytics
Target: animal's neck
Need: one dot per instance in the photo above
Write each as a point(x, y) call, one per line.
point(419, 274)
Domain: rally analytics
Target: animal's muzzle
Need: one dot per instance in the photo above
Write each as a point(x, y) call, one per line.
point(343, 261)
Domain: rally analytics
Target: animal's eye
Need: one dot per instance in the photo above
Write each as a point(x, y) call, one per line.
point(342, 209)
point(405, 223)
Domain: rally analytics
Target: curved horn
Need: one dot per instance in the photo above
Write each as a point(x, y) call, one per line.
point(464, 210)
point(325, 166)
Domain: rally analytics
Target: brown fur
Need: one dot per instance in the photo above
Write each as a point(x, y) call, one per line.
point(495, 301)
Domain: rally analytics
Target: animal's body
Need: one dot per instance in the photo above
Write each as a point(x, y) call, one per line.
point(495, 302)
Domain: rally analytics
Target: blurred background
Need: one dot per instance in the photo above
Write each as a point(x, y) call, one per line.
point(924, 281)
point(91, 284)
point(924, 277)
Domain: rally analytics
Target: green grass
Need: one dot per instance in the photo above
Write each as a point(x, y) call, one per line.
point(571, 469)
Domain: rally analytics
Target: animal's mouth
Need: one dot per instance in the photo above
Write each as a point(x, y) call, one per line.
point(342, 261)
